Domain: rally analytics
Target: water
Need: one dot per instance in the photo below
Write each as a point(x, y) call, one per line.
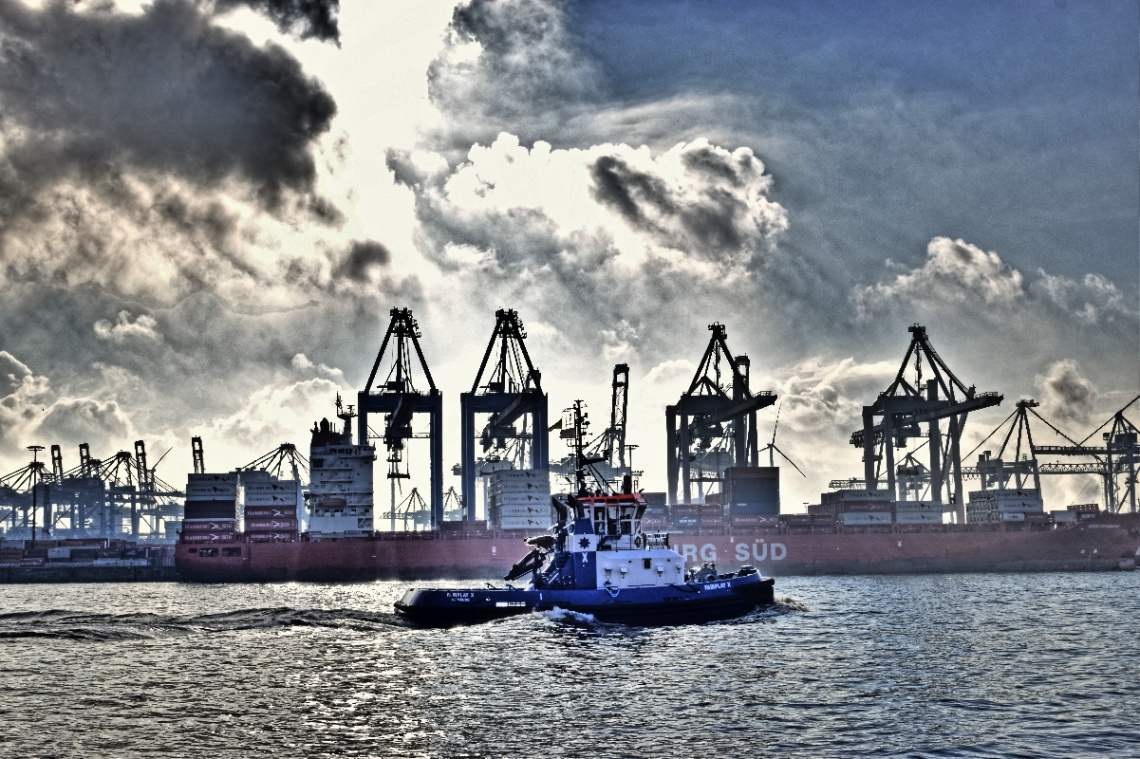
point(1044, 665)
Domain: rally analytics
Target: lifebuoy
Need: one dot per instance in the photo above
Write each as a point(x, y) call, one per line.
point(638, 541)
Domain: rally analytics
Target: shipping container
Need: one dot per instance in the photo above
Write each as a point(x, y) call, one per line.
point(521, 499)
point(523, 523)
point(270, 525)
point(210, 510)
point(525, 511)
point(273, 537)
point(867, 518)
point(208, 490)
point(270, 499)
point(208, 537)
point(207, 525)
point(268, 512)
point(277, 487)
point(918, 517)
point(930, 507)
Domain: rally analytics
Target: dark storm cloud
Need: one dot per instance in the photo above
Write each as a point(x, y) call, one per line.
point(1067, 396)
point(303, 18)
point(363, 257)
point(618, 185)
point(165, 91)
point(529, 77)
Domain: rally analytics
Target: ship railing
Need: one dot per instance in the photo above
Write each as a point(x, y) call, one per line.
point(656, 539)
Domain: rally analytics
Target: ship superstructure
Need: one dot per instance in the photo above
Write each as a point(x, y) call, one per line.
point(340, 484)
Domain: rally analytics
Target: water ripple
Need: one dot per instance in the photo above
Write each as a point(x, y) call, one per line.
point(942, 666)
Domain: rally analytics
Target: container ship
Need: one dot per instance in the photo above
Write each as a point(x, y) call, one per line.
point(255, 525)
point(251, 526)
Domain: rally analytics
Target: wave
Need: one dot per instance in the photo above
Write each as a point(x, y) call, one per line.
point(80, 625)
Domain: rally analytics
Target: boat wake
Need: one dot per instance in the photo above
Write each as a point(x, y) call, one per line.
point(77, 625)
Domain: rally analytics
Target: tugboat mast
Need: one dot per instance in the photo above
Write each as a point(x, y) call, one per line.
point(582, 462)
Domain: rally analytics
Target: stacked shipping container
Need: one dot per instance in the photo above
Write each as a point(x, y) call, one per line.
point(1005, 505)
point(520, 500)
point(211, 508)
point(751, 493)
point(271, 508)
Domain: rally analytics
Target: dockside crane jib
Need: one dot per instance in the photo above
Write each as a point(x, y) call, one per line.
point(904, 406)
point(399, 400)
point(714, 408)
point(510, 392)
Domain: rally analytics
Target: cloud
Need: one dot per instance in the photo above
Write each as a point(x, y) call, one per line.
point(1091, 301)
point(363, 259)
point(270, 415)
point(33, 412)
point(1067, 396)
point(954, 273)
point(301, 363)
point(124, 329)
point(509, 63)
point(589, 239)
point(161, 91)
point(157, 154)
point(303, 18)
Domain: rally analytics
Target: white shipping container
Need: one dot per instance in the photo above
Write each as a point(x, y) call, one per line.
point(523, 523)
point(518, 499)
point(868, 517)
point(847, 496)
point(278, 486)
point(927, 507)
point(1020, 505)
point(521, 486)
point(525, 511)
point(1012, 516)
point(268, 499)
point(918, 517)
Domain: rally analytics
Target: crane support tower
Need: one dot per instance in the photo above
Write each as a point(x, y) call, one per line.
point(903, 406)
point(399, 400)
point(706, 406)
point(512, 391)
point(619, 407)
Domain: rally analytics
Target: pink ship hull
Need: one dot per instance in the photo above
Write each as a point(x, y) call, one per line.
point(1106, 543)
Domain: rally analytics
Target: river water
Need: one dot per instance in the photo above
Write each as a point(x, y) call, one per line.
point(1044, 665)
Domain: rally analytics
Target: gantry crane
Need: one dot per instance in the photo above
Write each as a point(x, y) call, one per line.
point(398, 398)
point(511, 392)
point(713, 408)
point(903, 406)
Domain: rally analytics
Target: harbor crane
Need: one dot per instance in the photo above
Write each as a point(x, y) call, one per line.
point(608, 449)
point(512, 391)
point(396, 396)
point(714, 406)
point(906, 405)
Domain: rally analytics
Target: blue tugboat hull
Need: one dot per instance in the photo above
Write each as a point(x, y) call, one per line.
point(686, 603)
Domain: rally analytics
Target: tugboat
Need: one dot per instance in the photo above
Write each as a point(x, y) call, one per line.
point(598, 561)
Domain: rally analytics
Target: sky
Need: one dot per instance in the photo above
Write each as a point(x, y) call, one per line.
point(208, 208)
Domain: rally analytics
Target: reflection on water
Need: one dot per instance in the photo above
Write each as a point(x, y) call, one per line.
point(944, 665)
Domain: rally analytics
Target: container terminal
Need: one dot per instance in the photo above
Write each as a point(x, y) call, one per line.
point(916, 507)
